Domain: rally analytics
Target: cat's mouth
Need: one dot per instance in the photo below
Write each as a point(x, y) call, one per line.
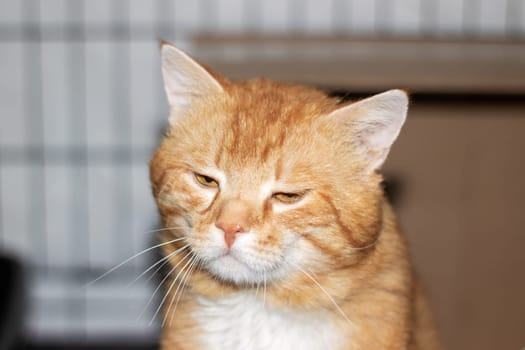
point(231, 262)
point(232, 266)
point(247, 261)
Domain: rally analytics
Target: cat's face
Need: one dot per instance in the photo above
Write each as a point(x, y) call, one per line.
point(263, 178)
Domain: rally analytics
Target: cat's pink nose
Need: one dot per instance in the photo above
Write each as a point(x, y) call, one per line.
point(230, 231)
point(233, 218)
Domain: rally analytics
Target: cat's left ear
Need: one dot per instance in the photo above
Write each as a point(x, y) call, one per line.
point(185, 81)
point(373, 124)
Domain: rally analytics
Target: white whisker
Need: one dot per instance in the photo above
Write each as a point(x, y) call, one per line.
point(162, 302)
point(264, 293)
point(131, 258)
point(367, 246)
point(182, 273)
point(157, 270)
point(183, 282)
point(165, 229)
point(169, 290)
point(160, 285)
point(164, 259)
point(325, 292)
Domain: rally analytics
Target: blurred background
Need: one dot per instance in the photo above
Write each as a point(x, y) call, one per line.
point(82, 108)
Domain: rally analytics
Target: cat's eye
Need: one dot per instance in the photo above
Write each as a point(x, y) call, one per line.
point(287, 198)
point(206, 180)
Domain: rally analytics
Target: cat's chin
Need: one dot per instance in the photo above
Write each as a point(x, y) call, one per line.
point(231, 269)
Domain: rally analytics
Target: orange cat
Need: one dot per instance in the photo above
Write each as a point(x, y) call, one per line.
point(279, 234)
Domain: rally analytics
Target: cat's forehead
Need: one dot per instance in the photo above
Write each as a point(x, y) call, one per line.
point(278, 102)
point(262, 118)
point(260, 131)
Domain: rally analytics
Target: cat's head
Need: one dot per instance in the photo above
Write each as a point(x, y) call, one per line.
point(264, 178)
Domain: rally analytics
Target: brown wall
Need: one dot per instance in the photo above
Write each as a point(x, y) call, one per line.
point(462, 205)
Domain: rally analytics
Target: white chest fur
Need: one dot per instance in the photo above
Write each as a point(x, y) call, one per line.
point(245, 322)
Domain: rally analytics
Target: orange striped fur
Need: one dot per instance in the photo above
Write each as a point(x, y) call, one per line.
point(257, 134)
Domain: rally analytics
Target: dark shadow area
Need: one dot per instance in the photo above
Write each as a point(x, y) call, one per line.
point(12, 303)
point(92, 346)
point(393, 187)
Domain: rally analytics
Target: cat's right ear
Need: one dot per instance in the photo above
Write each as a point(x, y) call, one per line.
point(184, 81)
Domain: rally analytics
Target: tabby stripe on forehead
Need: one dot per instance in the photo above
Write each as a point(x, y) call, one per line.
point(218, 153)
point(266, 152)
point(278, 142)
point(278, 169)
point(267, 208)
